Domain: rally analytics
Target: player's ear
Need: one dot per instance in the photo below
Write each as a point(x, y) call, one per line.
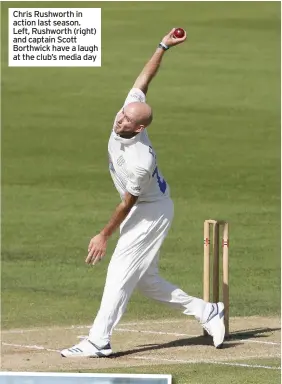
point(140, 128)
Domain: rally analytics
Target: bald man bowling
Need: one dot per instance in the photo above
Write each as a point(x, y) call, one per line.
point(144, 217)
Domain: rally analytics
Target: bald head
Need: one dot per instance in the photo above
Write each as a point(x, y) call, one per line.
point(140, 113)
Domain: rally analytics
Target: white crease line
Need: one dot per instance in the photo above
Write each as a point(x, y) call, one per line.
point(121, 324)
point(153, 332)
point(140, 331)
point(152, 321)
point(86, 326)
point(260, 342)
point(31, 347)
point(39, 347)
point(187, 335)
point(15, 331)
point(208, 362)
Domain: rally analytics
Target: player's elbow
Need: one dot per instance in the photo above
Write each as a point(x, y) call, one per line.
point(142, 83)
point(129, 201)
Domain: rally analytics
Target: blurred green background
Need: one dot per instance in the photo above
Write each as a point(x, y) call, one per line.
point(216, 131)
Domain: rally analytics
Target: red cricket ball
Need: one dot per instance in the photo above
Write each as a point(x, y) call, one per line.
point(178, 33)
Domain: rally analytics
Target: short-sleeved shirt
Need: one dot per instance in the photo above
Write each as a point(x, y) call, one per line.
point(133, 162)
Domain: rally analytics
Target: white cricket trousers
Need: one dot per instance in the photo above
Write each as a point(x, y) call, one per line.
point(134, 264)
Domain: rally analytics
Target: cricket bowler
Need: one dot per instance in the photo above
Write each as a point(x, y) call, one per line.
point(144, 217)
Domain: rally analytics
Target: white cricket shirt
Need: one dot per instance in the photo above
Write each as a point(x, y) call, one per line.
point(133, 162)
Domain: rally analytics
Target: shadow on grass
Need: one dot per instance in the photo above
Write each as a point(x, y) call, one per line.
point(251, 333)
point(200, 340)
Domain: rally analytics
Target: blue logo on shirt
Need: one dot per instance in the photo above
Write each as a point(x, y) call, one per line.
point(161, 182)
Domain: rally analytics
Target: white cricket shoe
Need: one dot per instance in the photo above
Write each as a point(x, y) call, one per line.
point(87, 349)
point(215, 324)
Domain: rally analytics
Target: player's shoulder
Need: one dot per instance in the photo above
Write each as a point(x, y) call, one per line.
point(135, 95)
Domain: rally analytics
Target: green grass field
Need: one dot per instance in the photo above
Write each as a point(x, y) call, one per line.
point(196, 373)
point(216, 131)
